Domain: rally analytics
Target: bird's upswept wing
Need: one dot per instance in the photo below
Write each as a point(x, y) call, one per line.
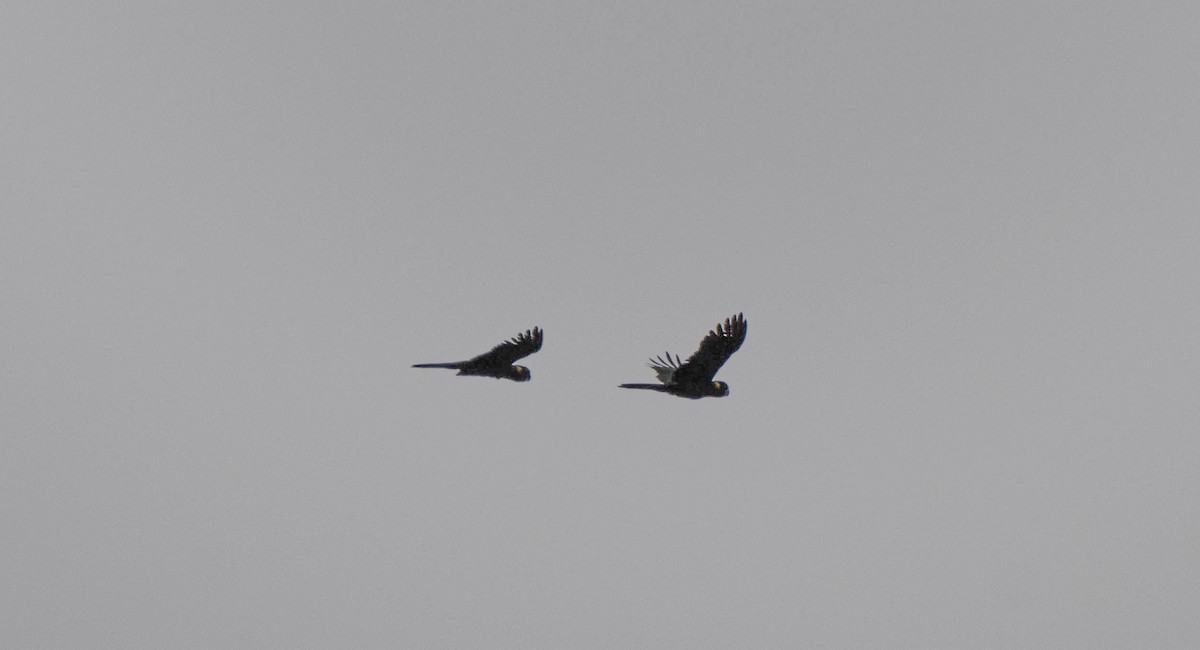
point(520, 346)
point(714, 350)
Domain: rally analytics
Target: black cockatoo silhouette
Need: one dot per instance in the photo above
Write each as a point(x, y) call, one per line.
point(694, 378)
point(498, 362)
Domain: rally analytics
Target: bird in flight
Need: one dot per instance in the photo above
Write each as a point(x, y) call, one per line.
point(498, 362)
point(693, 378)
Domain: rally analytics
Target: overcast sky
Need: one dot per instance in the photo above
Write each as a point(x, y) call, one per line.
point(965, 236)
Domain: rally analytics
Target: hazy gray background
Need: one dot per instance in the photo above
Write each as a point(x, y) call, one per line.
point(964, 235)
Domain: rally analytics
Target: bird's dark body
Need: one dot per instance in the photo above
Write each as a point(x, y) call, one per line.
point(693, 378)
point(498, 362)
point(695, 392)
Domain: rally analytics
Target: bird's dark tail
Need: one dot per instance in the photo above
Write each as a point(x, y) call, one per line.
point(657, 387)
point(455, 364)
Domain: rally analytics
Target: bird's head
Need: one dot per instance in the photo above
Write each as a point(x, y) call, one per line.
point(520, 373)
point(720, 389)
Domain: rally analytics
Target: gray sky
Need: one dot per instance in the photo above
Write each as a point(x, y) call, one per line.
point(964, 235)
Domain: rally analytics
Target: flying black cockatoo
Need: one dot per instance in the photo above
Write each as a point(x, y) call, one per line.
point(694, 378)
point(498, 362)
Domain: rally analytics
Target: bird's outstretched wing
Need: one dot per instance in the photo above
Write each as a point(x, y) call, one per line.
point(714, 350)
point(520, 346)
